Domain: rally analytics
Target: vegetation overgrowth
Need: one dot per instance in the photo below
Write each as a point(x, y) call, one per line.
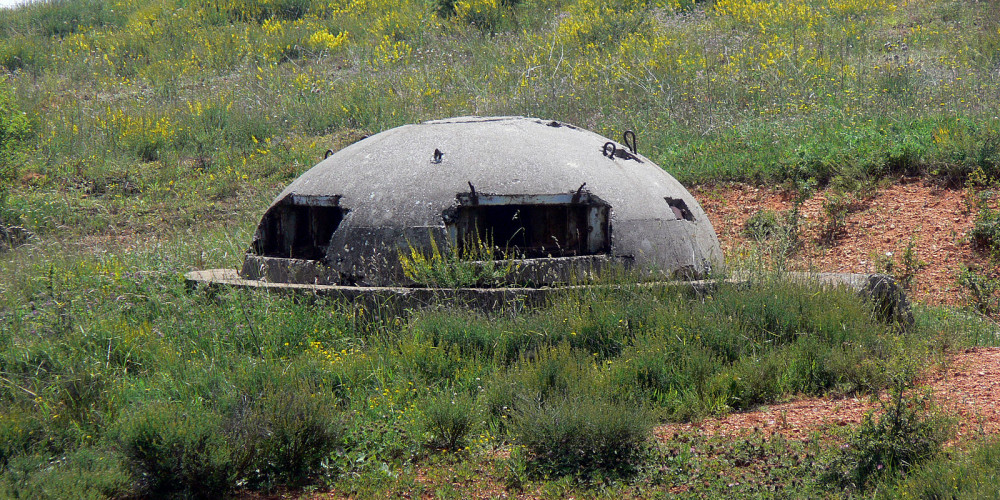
point(141, 139)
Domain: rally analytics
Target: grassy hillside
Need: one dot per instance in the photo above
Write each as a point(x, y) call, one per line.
point(139, 140)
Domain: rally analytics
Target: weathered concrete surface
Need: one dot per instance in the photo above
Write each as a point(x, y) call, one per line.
point(397, 187)
point(398, 299)
point(887, 299)
point(384, 298)
point(524, 272)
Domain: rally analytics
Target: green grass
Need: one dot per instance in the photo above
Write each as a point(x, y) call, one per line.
point(182, 390)
point(139, 140)
point(962, 475)
point(178, 103)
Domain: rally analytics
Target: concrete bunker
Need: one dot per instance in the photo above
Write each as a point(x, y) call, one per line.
point(559, 200)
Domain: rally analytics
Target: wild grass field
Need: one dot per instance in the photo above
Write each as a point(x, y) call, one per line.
point(140, 140)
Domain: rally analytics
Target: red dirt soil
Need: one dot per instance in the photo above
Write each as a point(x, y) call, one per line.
point(938, 222)
point(965, 389)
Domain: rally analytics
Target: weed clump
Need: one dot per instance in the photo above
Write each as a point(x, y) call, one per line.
point(583, 436)
point(473, 264)
point(284, 435)
point(986, 231)
point(836, 209)
point(762, 225)
point(449, 419)
point(275, 429)
point(87, 473)
point(781, 229)
point(18, 433)
point(904, 268)
point(178, 449)
point(14, 130)
point(982, 289)
point(906, 433)
point(972, 475)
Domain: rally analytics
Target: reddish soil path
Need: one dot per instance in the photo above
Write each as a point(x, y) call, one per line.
point(967, 389)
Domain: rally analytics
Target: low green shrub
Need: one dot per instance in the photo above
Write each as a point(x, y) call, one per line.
point(679, 379)
point(63, 17)
point(87, 473)
point(18, 433)
point(971, 476)
point(780, 229)
point(982, 289)
point(475, 264)
point(550, 373)
point(14, 130)
point(905, 433)
point(762, 225)
point(904, 266)
point(836, 208)
point(283, 424)
point(178, 449)
point(19, 54)
point(986, 230)
point(583, 436)
point(448, 419)
point(285, 438)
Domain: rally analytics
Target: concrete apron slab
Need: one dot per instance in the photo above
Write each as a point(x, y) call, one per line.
point(403, 298)
point(886, 297)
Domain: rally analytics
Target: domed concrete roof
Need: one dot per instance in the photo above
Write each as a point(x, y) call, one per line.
point(542, 190)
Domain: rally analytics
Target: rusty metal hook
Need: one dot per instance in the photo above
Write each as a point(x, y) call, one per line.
point(473, 195)
point(579, 193)
point(631, 145)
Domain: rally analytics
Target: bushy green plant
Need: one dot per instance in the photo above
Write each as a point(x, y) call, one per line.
point(986, 230)
point(971, 475)
point(63, 17)
point(902, 267)
point(982, 289)
point(19, 53)
point(905, 433)
point(14, 129)
point(18, 433)
point(473, 264)
point(762, 225)
point(573, 434)
point(86, 474)
point(261, 10)
point(178, 449)
point(781, 229)
point(449, 418)
point(836, 208)
point(283, 434)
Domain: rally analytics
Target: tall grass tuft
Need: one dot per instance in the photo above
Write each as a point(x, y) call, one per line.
point(178, 449)
point(586, 436)
point(449, 418)
point(906, 433)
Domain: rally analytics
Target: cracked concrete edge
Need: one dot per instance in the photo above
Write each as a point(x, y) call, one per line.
point(887, 298)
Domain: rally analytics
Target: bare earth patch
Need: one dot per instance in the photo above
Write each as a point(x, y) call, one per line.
point(965, 389)
point(937, 220)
